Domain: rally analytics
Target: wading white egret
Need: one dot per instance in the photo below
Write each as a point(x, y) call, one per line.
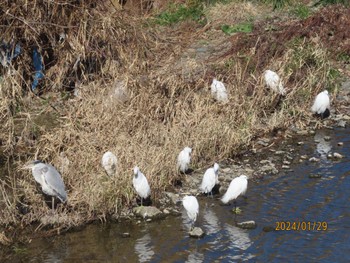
point(218, 91)
point(184, 159)
point(210, 178)
point(237, 187)
point(273, 81)
point(109, 163)
point(50, 180)
point(191, 205)
point(321, 104)
point(140, 184)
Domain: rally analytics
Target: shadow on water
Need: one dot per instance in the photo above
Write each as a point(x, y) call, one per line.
point(288, 197)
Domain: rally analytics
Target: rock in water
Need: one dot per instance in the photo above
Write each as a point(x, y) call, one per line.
point(247, 224)
point(148, 212)
point(196, 232)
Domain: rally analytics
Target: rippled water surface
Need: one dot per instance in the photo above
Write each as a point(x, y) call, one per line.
point(288, 197)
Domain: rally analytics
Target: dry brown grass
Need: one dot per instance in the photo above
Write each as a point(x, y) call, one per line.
point(163, 112)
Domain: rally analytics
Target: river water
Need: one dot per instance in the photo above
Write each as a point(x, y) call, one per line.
point(318, 207)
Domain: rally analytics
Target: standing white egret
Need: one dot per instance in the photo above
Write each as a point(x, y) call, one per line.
point(109, 163)
point(191, 205)
point(210, 178)
point(322, 104)
point(50, 180)
point(237, 187)
point(184, 159)
point(218, 91)
point(140, 184)
point(273, 81)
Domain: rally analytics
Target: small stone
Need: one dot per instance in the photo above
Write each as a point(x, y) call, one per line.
point(268, 228)
point(341, 124)
point(166, 211)
point(304, 132)
point(312, 132)
point(148, 212)
point(314, 160)
point(173, 197)
point(286, 162)
point(226, 170)
point(314, 176)
point(329, 156)
point(280, 152)
point(285, 167)
point(289, 157)
point(304, 157)
point(337, 155)
point(264, 161)
point(196, 232)
point(300, 143)
point(268, 168)
point(340, 143)
point(263, 143)
point(125, 235)
point(148, 220)
point(247, 224)
point(248, 171)
point(327, 138)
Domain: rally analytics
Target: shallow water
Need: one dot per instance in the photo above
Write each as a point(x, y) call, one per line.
point(288, 197)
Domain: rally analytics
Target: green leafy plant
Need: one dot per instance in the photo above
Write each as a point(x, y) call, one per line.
point(243, 27)
point(302, 11)
point(177, 13)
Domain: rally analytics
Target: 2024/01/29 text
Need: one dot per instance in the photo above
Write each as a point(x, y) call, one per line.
point(301, 225)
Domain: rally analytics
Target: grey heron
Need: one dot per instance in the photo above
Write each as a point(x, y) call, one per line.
point(49, 179)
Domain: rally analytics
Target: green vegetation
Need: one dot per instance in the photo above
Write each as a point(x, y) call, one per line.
point(243, 27)
point(344, 57)
point(177, 13)
point(302, 11)
point(191, 10)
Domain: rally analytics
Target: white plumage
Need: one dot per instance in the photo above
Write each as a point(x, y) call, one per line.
point(273, 81)
point(184, 159)
point(49, 178)
point(109, 163)
point(210, 178)
point(140, 184)
point(218, 91)
point(321, 104)
point(237, 187)
point(191, 205)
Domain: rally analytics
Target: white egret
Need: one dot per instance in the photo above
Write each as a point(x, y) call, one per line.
point(50, 180)
point(191, 205)
point(273, 81)
point(109, 163)
point(218, 91)
point(210, 178)
point(322, 104)
point(184, 159)
point(140, 184)
point(237, 187)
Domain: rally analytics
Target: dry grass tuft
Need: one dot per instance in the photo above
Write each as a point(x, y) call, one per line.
point(134, 103)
